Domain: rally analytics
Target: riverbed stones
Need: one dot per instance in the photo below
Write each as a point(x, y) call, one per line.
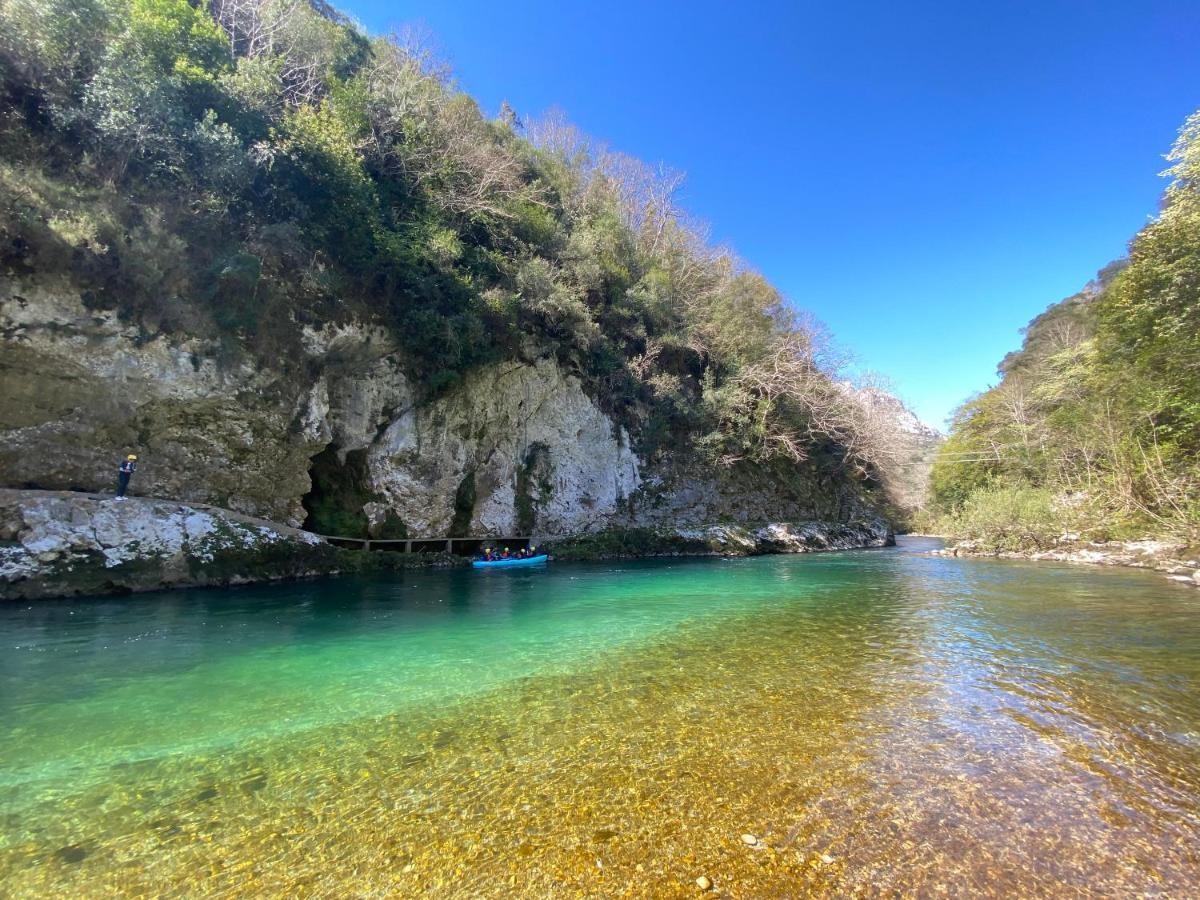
point(749, 840)
point(704, 883)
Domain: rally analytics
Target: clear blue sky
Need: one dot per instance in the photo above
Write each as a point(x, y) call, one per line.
point(923, 177)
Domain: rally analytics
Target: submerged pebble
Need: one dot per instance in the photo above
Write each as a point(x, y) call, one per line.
point(72, 854)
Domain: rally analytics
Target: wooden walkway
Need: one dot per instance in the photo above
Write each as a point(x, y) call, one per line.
point(466, 546)
point(461, 546)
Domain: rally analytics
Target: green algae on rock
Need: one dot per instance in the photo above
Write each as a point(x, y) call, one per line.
point(728, 540)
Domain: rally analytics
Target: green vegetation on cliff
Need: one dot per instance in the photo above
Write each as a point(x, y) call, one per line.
point(1095, 425)
point(241, 169)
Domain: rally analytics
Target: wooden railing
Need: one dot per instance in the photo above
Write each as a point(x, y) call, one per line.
point(466, 546)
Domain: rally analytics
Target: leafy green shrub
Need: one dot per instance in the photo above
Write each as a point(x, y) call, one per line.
point(1009, 517)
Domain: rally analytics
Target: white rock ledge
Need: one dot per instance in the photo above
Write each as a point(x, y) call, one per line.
point(58, 543)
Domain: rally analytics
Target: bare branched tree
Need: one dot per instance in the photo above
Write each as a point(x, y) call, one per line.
point(555, 134)
point(299, 33)
point(645, 195)
point(254, 26)
point(787, 402)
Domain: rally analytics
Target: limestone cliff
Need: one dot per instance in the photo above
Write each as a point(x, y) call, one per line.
point(341, 439)
point(521, 439)
point(79, 388)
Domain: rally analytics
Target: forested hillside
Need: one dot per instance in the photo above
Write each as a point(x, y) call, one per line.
point(1094, 427)
point(249, 172)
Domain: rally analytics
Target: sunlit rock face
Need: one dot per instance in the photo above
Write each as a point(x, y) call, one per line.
point(523, 441)
point(79, 389)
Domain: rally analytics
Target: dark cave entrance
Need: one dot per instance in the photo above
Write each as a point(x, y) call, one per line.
point(339, 489)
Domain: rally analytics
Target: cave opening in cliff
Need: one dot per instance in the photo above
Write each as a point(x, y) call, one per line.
point(340, 488)
point(464, 506)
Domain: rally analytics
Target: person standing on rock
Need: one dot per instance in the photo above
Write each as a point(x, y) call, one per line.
point(124, 473)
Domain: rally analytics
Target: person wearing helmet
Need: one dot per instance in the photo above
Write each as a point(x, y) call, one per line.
point(124, 473)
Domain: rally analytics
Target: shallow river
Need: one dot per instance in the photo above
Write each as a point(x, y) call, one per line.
point(879, 721)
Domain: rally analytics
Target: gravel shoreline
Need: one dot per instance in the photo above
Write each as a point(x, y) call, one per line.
point(1177, 561)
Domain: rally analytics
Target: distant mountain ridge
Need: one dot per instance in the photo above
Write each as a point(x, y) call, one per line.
point(912, 443)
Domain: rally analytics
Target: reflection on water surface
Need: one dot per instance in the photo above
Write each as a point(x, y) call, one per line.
point(879, 721)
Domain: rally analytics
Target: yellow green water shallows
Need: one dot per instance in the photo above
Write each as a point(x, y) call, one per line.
point(881, 722)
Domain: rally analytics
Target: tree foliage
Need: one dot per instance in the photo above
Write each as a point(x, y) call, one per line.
point(1102, 403)
point(269, 165)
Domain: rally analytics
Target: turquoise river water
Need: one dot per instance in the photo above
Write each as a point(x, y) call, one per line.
point(874, 722)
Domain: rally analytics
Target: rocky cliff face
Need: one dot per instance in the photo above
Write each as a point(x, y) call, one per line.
point(79, 389)
point(341, 439)
point(521, 439)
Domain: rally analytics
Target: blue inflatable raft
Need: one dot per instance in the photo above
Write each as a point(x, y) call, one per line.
point(509, 563)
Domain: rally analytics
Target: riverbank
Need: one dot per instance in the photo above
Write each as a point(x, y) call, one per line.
point(63, 544)
point(729, 540)
point(1178, 561)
